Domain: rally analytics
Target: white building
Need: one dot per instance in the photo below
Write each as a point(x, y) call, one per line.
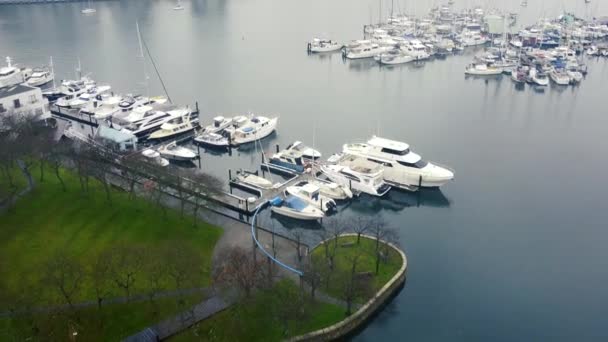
point(23, 100)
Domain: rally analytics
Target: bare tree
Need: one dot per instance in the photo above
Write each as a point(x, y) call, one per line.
point(126, 265)
point(354, 285)
point(237, 269)
point(65, 274)
point(133, 167)
point(202, 186)
point(289, 306)
point(101, 274)
point(58, 153)
point(361, 225)
point(313, 275)
point(381, 231)
point(336, 227)
point(101, 165)
point(298, 234)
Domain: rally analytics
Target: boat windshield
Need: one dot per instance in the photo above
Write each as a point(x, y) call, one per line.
point(6, 73)
point(396, 152)
point(417, 165)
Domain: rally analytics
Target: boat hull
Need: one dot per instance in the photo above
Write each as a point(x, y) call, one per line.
point(296, 214)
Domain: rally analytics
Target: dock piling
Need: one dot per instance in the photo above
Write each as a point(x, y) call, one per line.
point(277, 148)
point(198, 149)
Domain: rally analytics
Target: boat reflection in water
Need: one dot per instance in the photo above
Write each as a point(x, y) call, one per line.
point(397, 201)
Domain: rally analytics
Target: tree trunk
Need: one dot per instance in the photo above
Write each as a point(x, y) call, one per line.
point(60, 179)
point(99, 300)
point(358, 237)
point(9, 176)
point(195, 214)
point(132, 189)
point(41, 171)
point(106, 187)
point(377, 262)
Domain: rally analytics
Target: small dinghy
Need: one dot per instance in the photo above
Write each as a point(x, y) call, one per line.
point(175, 152)
point(254, 180)
point(296, 208)
point(155, 157)
point(311, 194)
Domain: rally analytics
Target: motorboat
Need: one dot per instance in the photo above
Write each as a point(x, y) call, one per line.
point(93, 93)
point(473, 38)
point(396, 58)
point(575, 75)
point(291, 160)
point(175, 126)
point(356, 173)
point(559, 76)
point(11, 75)
point(538, 78)
point(103, 107)
point(211, 134)
point(255, 128)
point(175, 152)
point(312, 195)
point(519, 75)
point(296, 208)
point(416, 49)
point(323, 45)
point(151, 120)
point(307, 152)
point(403, 168)
point(178, 6)
point(218, 140)
point(329, 189)
point(254, 180)
point(366, 51)
point(40, 77)
point(89, 9)
point(482, 70)
point(155, 157)
point(68, 90)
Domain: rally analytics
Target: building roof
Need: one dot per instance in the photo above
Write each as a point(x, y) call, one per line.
point(14, 90)
point(114, 135)
point(387, 143)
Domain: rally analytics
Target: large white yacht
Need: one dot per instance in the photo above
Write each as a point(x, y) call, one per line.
point(366, 51)
point(356, 173)
point(11, 75)
point(256, 128)
point(403, 168)
point(152, 119)
point(179, 125)
point(40, 77)
point(416, 49)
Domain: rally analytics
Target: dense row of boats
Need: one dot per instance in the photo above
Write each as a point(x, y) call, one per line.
point(372, 167)
point(545, 50)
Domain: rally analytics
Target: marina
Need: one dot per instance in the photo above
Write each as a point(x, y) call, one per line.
point(505, 137)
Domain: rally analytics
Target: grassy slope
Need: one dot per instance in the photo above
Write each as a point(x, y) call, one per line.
point(367, 262)
point(48, 220)
point(257, 319)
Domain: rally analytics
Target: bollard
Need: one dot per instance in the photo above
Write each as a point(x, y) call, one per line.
point(198, 149)
point(247, 207)
point(262, 157)
point(419, 182)
point(196, 106)
point(350, 184)
point(277, 148)
point(229, 174)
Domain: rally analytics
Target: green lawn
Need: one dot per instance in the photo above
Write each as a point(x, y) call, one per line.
point(113, 323)
point(346, 249)
point(48, 221)
point(263, 318)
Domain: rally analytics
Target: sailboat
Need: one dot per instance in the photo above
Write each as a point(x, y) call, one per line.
point(178, 6)
point(89, 9)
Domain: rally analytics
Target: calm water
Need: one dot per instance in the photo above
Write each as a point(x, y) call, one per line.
point(513, 249)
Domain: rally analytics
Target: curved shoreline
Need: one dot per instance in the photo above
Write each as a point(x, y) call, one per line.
point(367, 310)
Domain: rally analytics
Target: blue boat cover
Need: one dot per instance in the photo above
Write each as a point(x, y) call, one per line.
point(295, 203)
point(247, 129)
point(277, 201)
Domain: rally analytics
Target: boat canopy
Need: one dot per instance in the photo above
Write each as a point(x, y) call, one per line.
point(295, 203)
point(389, 144)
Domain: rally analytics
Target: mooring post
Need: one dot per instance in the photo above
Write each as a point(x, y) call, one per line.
point(197, 107)
point(262, 157)
point(419, 182)
point(419, 191)
point(198, 149)
point(350, 184)
point(247, 207)
point(277, 148)
point(229, 174)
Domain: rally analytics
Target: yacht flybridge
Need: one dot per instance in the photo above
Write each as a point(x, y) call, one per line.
point(404, 168)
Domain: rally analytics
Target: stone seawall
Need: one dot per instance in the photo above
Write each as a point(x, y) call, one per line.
point(365, 312)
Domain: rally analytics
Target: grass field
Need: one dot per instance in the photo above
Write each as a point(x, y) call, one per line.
point(265, 317)
point(48, 220)
point(347, 247)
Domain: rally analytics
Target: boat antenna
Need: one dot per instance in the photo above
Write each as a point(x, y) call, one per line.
point(8, 61)
point(143, 59)
point(155, 68)
point(79, 70)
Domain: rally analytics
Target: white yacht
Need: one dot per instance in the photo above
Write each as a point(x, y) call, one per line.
point(254, 180)
point(403, 167)
point(482, 70)
point(155, 157)
point(367, 51)
point(211, 139)
point(11, 75)
point(330, 189)
point(296, 208)
point(416, 49)
point(538, 78)
point(91, 94)
point(399, 57)
point(559, 76)
point(323, 45)
point(103, 107)
point(40, 77)
point(152, 120)
point(473, 38)
point(175, 152)
point(255, 128)
point(312, 195)
point(307, 152)
point(356, 173)
point(173, 127)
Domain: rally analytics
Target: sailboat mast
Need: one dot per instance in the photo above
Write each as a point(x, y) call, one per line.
point(143, 60)
point(53, 72)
